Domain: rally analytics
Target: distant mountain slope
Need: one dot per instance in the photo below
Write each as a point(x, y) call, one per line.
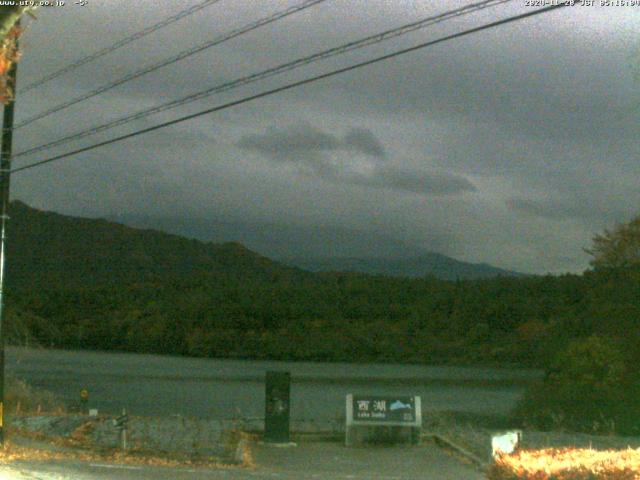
point(281, 241)
point(324, 249)
point(439, 266)
point(46, 247)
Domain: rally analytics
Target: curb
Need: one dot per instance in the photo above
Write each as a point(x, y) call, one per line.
point(449, 445)
point(318, 437)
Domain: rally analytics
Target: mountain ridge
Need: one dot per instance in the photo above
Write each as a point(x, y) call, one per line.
point(434, 264)
point(75, 250)
point(340, 249)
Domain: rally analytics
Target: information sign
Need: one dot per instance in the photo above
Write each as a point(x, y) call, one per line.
point(376, 412)
point(384, 409)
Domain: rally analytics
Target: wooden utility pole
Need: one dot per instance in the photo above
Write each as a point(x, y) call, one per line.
point(5, 176)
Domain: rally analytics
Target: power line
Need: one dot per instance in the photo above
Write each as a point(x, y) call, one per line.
point(125, 41)
point(357, 44)
point(289, 86)
point(180, 56)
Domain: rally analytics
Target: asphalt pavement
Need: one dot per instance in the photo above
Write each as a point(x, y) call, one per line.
point(308, 460)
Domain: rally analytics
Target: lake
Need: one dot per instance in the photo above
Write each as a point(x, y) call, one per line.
point(153, 385)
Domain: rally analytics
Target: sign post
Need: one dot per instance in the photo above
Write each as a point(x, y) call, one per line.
point(370, 411)
point(122, 424)
point(277, 407)
point(84, 401)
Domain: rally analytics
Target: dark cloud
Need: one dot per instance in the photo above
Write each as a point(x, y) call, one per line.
point(299, 141)
point(595, 206)
point(291, 143)
point(364, 141)
point(307, 145)
point(543, 209)
point(417, 182)
point(523, 138)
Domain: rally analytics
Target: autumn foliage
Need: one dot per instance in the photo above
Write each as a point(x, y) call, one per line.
point(9, 54)
point(567, 464)
point(617, 248)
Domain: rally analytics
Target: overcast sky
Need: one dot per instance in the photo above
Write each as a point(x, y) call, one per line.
point(512, 147)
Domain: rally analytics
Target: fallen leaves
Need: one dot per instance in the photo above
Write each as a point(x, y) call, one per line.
point(56, 449)
point(568, 464)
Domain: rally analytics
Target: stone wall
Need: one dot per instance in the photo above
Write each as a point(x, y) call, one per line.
point(175, 434)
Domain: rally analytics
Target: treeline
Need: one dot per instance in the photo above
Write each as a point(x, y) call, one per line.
point(92, 284)
point(337, 317)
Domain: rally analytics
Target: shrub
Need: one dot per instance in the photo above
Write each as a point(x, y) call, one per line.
point(22, 398)
point(588, 387)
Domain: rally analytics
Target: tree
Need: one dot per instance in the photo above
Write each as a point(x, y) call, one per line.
point(9, 54)
point(590, 386)
point(8, 18)
point(618, 248)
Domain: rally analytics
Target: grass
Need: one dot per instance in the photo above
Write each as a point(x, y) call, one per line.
point(21, 398)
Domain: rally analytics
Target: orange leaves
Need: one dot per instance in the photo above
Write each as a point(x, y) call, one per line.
point(9, 54)
point(46, 449)
point(568, 464)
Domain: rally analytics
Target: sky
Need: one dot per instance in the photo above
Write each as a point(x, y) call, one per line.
point(513, 146)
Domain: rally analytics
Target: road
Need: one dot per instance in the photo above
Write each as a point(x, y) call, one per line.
point(312, 461)
point(158, 386)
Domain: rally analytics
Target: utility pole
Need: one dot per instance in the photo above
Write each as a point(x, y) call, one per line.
point(5, 176)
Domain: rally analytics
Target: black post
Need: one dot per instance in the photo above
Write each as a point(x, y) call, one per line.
point(5, 176)
point(277, 407)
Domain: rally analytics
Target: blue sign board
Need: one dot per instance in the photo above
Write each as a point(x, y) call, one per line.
point(384, 409)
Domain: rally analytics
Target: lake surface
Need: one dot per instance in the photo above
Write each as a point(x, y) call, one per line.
point(156, 385)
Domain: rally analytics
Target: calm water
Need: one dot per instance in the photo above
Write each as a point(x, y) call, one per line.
point(160, 385)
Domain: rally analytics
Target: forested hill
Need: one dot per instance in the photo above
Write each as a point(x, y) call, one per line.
point(78, 283)
point(49, 249)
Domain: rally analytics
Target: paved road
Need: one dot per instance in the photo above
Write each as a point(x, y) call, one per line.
point(308, 461)
point(334, 461)
point(159, 386)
